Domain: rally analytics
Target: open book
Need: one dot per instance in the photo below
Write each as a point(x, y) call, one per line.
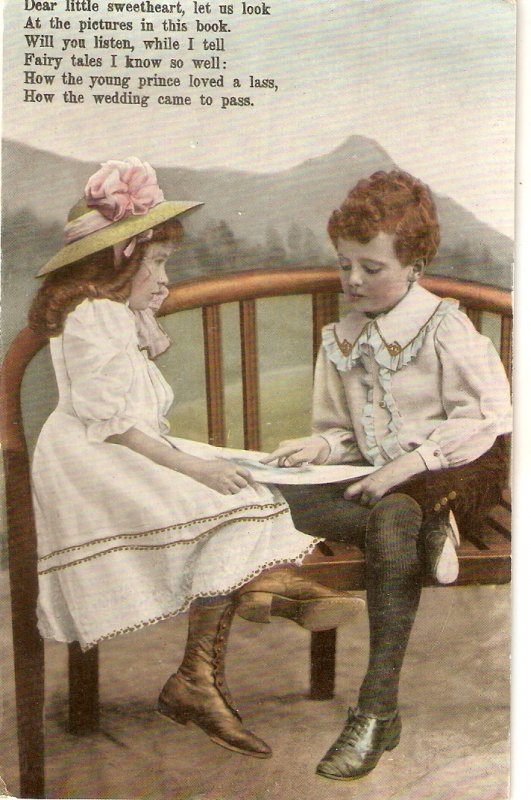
point(268, 473)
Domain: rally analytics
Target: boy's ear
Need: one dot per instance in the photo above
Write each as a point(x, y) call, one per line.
point(417, 268)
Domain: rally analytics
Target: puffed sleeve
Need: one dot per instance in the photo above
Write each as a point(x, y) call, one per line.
point(96, 339)
point(330, 414)
point(475, 393)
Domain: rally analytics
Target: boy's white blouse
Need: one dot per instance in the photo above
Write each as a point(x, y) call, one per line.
point(419, 377)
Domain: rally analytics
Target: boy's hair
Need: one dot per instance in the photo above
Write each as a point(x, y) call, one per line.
point(395, 203)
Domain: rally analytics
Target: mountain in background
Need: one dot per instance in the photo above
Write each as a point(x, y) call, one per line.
point(250, 220)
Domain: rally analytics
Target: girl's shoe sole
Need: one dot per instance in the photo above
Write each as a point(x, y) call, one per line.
point(320, 614)
point(186, 721)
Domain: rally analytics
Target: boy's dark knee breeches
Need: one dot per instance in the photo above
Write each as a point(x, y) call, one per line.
point(468, 490)
point(323, 511)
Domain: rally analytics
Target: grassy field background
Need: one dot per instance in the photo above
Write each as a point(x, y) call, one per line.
point(285, 363)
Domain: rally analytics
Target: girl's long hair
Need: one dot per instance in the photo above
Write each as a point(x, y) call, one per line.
point(94, 276)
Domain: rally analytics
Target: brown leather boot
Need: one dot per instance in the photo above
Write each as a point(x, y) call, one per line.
point(287, 593)
point(197, 692)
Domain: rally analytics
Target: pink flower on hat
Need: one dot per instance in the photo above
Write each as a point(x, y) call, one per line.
point(121, 189)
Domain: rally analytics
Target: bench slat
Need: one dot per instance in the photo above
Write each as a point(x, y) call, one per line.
point(499, 519)
point(475, 316)
point(257, 283)
point(214, 374)
point(506, 501)
point(484, 557)
point(506, 347)
point(345, 569)
point(250, 376)
point(325, 309)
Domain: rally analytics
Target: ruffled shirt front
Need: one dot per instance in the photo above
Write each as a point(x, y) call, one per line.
point(419, 377)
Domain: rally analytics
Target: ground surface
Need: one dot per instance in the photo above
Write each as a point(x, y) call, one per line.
point(454, 706)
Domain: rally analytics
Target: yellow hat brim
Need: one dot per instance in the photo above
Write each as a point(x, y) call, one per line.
point(117, 232)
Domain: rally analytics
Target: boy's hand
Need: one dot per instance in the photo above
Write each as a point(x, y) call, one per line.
point(295, 452)
point(372, 488)
point(369, 489)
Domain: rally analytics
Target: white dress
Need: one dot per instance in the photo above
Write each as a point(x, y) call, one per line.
point(124, 542)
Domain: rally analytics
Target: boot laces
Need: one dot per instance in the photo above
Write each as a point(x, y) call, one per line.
point(218, 662)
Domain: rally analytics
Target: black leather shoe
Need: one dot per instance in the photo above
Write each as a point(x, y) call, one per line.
point(441, 538)
point(359, 747)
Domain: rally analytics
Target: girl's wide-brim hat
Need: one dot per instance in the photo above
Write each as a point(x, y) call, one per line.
point(122, 203)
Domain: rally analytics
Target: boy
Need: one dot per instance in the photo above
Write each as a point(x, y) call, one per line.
point(406, 383)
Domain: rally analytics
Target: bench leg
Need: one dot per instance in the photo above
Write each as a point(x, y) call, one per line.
point(29, 690)
point(28, 646)
point(83, 677)
point(322, 665)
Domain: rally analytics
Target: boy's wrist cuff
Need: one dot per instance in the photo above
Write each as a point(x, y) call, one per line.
point(432, 455)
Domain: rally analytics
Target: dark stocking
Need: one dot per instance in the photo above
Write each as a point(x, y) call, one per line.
point(215, 600)
point(394, 582)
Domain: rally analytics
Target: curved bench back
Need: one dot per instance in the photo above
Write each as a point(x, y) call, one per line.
point(323, 284)
point(209, 294)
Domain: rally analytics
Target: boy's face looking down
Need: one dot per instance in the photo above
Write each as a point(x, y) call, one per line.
point(372, 278)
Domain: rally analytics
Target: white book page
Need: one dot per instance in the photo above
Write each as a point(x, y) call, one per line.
point(269, 473)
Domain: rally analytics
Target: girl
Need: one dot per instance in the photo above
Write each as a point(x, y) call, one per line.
point(131, 529)
point(406, 383)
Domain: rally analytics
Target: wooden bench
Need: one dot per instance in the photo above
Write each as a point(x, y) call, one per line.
point(484, 554)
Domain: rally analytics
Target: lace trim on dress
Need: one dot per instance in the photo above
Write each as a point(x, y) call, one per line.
point(189, 599)
point(179, 525)
point(390, 357)
point(164, 545)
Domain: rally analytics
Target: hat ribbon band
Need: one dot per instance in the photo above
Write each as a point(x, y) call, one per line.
point(84, 225)
point(94, 221)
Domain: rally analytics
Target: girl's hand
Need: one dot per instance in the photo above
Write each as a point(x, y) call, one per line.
point(372, 487)
point(220, 475)
point(295, 452)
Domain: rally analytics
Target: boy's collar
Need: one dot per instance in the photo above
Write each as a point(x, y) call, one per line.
point(397, 327)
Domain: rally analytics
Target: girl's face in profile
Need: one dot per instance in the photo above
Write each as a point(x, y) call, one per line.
point(151, 277)
point(372, 277)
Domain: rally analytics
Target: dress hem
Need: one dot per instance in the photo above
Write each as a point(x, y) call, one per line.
point(229, 515)
point(85, 646)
